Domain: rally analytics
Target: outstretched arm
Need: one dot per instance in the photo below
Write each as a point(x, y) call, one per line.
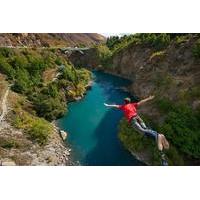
point(113, 105)
point(145, 100)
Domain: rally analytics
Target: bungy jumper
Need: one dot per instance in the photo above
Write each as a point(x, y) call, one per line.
point(130, 112)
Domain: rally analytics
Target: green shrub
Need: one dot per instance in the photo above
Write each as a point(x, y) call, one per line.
point(22, 81)
point(50, 108)
point(164, 105)
point(104, 54)
point(37, 129)
point(196, 50)
point(7, 143)
point(6, 68)
point(6, 52)
point(40, 131)
point(181, 126)
point(181, 39)
point(58, 61)
point(112, 41)
point(156, 40)
point(162, 81)
point(157, 54)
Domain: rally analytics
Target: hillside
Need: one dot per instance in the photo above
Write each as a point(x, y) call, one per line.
point(35, 85)
point(50, 39)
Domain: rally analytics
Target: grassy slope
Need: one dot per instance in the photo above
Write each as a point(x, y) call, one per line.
point(35, 95)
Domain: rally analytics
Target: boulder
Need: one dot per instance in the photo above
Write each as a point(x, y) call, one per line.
point(63, 135)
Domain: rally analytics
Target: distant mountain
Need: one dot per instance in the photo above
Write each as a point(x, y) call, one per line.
point(50, 39)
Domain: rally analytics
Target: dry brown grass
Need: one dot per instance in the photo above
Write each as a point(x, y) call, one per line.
point(48, 75)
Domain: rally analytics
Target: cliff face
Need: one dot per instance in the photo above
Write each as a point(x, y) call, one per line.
point(89, 59)
point(50, 39)
point(142, 65)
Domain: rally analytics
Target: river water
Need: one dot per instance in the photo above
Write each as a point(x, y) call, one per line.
point(93, 128)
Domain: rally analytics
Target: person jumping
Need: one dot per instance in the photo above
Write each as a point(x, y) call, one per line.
point(130, 111)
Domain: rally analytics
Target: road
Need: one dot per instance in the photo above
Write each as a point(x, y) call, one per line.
point(4, 106)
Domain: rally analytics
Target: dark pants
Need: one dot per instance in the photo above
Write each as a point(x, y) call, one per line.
point(139, 125)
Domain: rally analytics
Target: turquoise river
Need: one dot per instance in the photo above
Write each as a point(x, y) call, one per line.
point(93, 129)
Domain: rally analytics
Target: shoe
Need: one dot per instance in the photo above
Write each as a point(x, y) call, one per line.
point(163, 159)
point(164, 163)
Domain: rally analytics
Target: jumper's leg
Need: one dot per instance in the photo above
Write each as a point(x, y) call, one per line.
point(160, 142)
point(140, 120)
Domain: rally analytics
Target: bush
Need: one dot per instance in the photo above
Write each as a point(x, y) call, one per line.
point(39, 132)
point(22, 81)
point(58, 61)
point(104, 54)
point(49, 108)
point(196, 50)
point(181, 39)
point(7, 143)
point(156, 40)
point(157, 54)
point(69, 73)
point(162, 81)
point(6, 52)
point(112, 41)
point(37, 129)
point(181, 126)
point(6, 68)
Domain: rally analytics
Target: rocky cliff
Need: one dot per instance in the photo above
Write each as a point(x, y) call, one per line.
point(145, 66)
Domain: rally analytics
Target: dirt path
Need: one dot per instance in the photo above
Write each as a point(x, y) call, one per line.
point(4, 106)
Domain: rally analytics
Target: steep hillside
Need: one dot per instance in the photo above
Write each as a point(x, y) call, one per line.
point(35, 85)
point(50, 39)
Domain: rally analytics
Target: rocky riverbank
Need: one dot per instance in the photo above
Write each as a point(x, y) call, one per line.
point(25, 152)
point(16, 148)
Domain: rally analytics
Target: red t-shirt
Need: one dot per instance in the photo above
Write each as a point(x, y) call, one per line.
point(130, 110)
